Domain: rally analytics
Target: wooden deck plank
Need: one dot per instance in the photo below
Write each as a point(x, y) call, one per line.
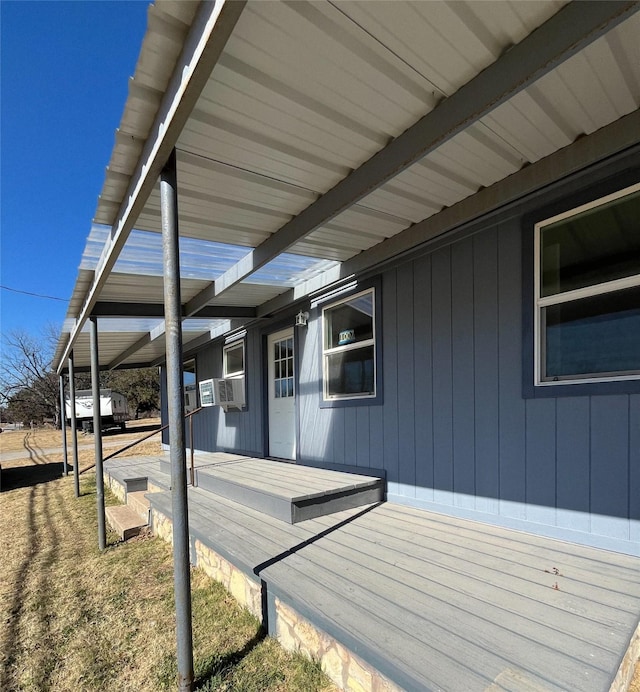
point(430, 662)
point(438, 602)
point(387, 574)
point(279, 540)
point(453, 552)
point(606, 564)
point(285, 479)
point(311, 473)
point(466, 640)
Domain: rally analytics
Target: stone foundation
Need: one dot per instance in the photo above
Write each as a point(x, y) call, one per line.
point(161, 526)
point(295, 633)
point(346, 670)
point(244, 589)
point(116, 488)
point(623, 679)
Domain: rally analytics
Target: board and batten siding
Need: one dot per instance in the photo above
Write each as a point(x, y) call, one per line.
point(233, 431)
point(454, 433)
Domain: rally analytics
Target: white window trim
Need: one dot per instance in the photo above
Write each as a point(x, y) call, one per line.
point(232, 347)
point(349, 347)
point(568, 296)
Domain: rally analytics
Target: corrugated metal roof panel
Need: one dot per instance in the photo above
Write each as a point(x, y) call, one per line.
point(587, 92)
point(449, 43)
point(248, 294)
point(304, 93)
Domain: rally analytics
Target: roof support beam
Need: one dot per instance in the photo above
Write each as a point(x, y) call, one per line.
point(207, 38)
point(113, 309)
point(575, 26)
point(134, 348)
point(620, 138)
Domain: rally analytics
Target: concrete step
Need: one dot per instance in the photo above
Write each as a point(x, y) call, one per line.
point(125, 521)
point(139, 504)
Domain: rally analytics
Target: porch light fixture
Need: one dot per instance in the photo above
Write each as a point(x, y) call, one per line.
point(302, 319)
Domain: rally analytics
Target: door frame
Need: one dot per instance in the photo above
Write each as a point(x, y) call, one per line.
point(266, 332)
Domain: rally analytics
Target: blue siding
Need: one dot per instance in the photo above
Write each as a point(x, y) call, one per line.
point(486, 412)
point(453, 432)
point(511, 406)
point(406, 382)
point(463, 381)
point(390, 374)
point(573, 453)
point(610, 465)
point(634, 468)
point(423, 409)
point(442, 377)
point(541, 460)
point(215, 430)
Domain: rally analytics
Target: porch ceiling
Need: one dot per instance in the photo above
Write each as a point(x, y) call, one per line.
point(310, 133)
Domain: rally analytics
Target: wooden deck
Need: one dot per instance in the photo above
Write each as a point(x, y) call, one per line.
point(285, 491)
point(434, 602)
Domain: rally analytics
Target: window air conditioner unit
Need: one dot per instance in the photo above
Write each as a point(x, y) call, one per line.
point(228, 393)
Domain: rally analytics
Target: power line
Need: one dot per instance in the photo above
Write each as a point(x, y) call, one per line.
point(28, 293)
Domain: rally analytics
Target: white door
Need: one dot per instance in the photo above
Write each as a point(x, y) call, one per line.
point(282, 398)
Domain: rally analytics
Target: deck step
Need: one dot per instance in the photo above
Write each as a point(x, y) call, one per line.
point(125, 521)
point(289, 492)
point(139, 504)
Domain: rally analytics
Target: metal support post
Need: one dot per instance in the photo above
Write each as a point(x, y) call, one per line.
point(97, 432)
point(74, 424)
point(63, 427)
point(193, 473)
point(175, 401)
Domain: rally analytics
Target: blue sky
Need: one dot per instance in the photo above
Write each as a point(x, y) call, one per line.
point(64, 72)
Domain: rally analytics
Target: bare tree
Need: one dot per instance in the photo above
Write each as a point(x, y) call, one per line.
point(28, 386)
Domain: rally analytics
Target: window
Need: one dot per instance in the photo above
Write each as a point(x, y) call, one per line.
point(587, 292)
point(349, 348)
point(190, 388)
point(283, 368)
point(233, 360)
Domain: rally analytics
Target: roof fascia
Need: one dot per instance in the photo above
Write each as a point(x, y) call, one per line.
point(87, 368)
point(585, 152)
point(209, 33)
point(117, 309)
point(570, 30)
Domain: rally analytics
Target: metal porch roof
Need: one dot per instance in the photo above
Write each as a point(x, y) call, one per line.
point(309, 133)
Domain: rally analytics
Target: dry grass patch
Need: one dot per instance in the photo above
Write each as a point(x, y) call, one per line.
point(79, 619)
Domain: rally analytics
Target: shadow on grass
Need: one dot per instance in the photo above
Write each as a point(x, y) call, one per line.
point(27, 476)
point(113, 432)
point(217, 666)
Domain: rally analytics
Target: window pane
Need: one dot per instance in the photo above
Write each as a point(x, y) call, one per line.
point(234, 359)
point(598, 245)
point(351, 372)
point(594, 336)
point(350, 322)
point(189, 372)
point(277, 389)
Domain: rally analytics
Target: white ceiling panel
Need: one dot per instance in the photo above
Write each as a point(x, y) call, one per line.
point(304, 93)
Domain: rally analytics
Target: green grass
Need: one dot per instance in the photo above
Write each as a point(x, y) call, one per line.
point(80, 619)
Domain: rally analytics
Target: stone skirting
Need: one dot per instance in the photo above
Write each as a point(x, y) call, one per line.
point(622, 681)
point(244, 589)
point(346, 670)
point(294, 632)
point(116, 488)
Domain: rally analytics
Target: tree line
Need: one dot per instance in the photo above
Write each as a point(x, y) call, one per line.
point(30, 388)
